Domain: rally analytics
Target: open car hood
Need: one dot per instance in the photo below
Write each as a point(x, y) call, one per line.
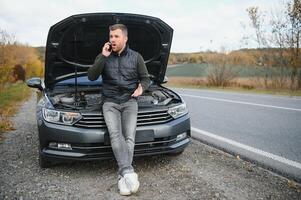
point(74, 43)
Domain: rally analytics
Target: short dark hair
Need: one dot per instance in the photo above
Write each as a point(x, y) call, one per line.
point(122, 27)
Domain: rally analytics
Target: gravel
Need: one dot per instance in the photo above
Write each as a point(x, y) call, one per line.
point(201, 172)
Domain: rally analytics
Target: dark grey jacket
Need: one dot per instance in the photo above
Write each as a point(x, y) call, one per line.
point(121, 74)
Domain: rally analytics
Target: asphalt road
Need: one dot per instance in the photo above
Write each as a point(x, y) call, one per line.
point(262, 128)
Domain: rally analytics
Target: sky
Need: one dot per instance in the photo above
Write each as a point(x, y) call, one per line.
point(199, 25)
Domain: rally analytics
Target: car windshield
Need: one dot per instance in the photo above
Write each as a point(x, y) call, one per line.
point(81, 81)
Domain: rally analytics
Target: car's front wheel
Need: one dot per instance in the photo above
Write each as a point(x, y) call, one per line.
point(44, 162)
point(177, 153)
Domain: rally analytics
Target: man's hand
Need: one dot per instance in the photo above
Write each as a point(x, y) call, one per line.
point(138, 91)
point(105, 49)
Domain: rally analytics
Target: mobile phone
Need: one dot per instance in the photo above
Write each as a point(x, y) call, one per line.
point(110, 47)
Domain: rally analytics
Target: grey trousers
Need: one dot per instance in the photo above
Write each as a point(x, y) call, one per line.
point(121, 121)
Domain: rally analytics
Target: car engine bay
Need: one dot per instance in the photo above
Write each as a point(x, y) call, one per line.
point(92, 100)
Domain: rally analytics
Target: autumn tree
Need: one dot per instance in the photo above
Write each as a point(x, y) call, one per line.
point(13, 54)
point(293, 38)
point(6, 60)
point(283, 33)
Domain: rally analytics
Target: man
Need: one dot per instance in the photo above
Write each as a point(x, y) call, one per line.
point(125, 77)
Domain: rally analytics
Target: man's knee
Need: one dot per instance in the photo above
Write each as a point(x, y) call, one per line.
point(130, 142)
point(114, 135)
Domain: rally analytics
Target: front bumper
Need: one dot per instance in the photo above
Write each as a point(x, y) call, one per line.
point(94, 144)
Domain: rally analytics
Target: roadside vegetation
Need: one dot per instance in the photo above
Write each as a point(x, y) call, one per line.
point(274, 66)
point(247, 79)
point(10, 98)
point(18, 62)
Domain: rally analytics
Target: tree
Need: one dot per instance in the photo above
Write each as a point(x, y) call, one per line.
point(14, 54)
point(6, 65)
point(283, 32)
point(293, 38)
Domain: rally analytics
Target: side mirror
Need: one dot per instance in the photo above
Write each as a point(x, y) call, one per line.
point(35, 82)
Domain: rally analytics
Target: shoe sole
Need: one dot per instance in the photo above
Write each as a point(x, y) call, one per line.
point(124, 193)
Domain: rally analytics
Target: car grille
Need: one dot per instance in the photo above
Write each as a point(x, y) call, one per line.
point(96, 120)
point(102, 150)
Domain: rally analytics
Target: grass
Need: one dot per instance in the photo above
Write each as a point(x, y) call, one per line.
point(187, 70)
point(249, 79)
point(10, 98)
point(241, 85)
point(237, 89)
point(201, 70)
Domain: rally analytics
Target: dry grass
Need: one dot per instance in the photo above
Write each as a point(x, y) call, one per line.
point(250, 84)
point(187, 81)
point(10, 99)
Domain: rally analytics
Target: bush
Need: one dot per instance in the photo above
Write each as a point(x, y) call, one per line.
point(19, 73)
point(219, 72)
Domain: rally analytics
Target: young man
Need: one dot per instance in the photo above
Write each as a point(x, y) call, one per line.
point(125, 77)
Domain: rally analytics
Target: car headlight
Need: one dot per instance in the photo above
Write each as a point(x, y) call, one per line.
point(178, 111)
point(60, 117)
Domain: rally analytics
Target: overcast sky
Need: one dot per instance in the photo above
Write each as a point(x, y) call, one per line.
point(198, 25)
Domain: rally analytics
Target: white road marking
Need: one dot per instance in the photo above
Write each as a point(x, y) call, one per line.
point(241, 94)
point(240, 102)
point(249, 148)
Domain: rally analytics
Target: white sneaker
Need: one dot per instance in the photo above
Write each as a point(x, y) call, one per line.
point(122, 186)
point(131, 180)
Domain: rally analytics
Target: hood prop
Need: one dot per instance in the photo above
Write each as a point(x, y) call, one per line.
point(79, 99)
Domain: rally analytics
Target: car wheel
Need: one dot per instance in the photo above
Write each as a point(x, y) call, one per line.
point(44, 162)
point(177, 153)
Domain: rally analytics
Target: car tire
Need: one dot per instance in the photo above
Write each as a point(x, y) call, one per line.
point(177, 153)
point(44, 162)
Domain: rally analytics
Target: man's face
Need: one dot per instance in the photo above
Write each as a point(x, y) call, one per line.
point(117, 39)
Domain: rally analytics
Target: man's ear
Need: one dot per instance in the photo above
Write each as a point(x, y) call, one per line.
point(126, 39)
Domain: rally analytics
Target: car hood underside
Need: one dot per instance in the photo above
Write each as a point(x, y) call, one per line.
point(74, 42)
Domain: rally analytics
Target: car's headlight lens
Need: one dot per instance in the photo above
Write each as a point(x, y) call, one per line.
point(178, 111)
point(60, 117)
